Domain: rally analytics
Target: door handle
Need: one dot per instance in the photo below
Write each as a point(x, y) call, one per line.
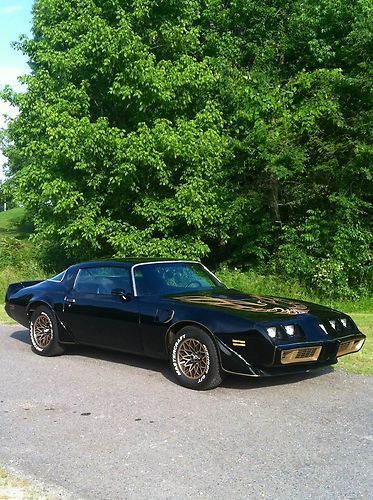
point(70, 300)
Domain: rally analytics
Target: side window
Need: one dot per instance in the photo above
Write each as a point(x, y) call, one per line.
point(102, 280)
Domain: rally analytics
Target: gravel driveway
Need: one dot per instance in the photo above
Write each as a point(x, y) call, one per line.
point(102, 425)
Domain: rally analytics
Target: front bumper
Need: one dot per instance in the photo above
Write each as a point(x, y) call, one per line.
point(317, 352)
point(290, 357)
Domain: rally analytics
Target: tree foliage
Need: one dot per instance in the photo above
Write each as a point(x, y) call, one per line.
point(235, 130)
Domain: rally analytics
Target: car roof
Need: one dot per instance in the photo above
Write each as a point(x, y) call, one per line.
point(130, 261)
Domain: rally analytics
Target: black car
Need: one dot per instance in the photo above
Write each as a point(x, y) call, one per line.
point(181, 311)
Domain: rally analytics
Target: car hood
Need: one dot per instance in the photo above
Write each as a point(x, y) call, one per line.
point(253, 307)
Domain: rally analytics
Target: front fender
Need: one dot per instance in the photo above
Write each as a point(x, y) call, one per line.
point(230, 360)
point(233, 362)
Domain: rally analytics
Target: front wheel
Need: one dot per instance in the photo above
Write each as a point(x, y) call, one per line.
point(44, 332)
point(195, 360)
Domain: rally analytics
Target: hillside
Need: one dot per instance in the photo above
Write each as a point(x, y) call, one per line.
point(12, 224)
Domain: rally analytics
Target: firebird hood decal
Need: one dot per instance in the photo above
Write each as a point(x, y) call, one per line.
point(258, 304)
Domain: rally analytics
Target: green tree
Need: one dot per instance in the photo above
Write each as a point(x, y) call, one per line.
point(238, 130)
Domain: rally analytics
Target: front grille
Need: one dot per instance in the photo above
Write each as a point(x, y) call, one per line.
point(306, 353)
point(302, 355)
point(350, 346)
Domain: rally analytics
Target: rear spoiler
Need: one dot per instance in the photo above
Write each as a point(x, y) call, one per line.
point(15, 287)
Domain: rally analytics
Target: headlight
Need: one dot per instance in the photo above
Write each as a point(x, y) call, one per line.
point(285, 332)
point(290, 330)
point(272, 331)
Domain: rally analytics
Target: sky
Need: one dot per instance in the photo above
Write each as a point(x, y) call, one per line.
point(15, 20)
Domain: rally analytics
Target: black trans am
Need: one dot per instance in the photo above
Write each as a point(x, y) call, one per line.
point(181, 311)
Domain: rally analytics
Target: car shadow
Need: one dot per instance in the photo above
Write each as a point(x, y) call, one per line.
point(162, 366)
point(240, 382)
point(137, 361)
point(22, 336)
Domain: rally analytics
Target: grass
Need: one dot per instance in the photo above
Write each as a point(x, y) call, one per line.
point(17, 254)
point(258, 284)
point(12, 224)
point(5, 320)
point(13, 487)
point(28, 271)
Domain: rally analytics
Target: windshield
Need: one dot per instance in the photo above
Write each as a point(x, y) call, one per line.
point(173, 277)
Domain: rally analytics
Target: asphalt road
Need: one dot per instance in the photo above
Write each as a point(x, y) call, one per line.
point(99, 425)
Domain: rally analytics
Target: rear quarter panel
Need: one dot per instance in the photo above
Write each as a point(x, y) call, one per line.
point(20, 301)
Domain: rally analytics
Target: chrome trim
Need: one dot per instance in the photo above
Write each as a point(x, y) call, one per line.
point(350, 336)
point(76, 277)
point(212, 274)
point(166, 262)
point(170, 318)
point(239, 373)
point(58, 281)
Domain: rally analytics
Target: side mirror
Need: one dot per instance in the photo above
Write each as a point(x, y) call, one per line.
point(120, 293)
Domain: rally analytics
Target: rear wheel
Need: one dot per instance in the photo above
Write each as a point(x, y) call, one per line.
point(44, 332)
point(195, 360)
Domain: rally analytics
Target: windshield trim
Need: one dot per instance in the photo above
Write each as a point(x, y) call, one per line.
point(167, 262)
point(58, 281)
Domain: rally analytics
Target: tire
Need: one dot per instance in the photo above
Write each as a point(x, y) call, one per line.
point(195, 360)
point(44, 333)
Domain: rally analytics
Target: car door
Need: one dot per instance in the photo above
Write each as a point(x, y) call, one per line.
point(96, 316)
